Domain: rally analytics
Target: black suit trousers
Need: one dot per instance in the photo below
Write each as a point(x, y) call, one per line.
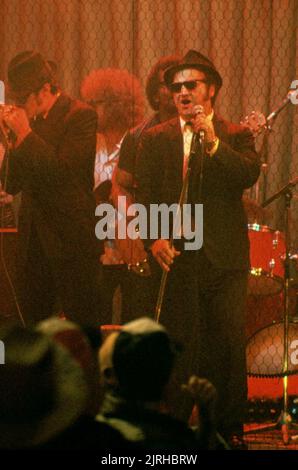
point(49, 286)
point(204, 310)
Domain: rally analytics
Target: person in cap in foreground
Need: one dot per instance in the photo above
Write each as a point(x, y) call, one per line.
point(136, 366)
point(52, 163)
point(205, 294)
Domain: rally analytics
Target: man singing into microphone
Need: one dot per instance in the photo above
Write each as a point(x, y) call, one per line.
point(206, 289)
point(52, 163)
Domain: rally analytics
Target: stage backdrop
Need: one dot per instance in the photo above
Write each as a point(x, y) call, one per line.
point(252, 42)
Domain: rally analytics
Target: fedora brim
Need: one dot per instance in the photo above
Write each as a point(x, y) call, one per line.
point(170, 73)
point(17, 95)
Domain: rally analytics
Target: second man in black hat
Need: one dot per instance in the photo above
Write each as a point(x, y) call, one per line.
point(52, 163)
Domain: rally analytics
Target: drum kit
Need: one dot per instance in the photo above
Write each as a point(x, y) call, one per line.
point(267, 246)
point(266, 277)
point(272, 303)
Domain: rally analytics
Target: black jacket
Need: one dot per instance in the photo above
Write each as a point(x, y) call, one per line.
point(54, 167)
point(234, 167)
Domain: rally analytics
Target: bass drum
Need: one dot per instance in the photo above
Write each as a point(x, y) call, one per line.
point(262, 311)
point(265, 349)
point(267, 248)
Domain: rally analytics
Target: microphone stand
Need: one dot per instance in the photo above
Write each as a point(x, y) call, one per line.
point(7, 139)
point(267, 126)
point(202, 154)
point(177, 218)
point(285, 419)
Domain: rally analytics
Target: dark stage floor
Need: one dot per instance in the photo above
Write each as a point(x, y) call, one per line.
point(269, 440)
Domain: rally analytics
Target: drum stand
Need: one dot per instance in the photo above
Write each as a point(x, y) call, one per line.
point(285, 421)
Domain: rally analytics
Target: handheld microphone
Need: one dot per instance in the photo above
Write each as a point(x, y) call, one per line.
point(7, 136)
point(198, 137)
point(199, 109)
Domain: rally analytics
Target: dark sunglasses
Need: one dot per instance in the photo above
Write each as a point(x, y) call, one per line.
point(22, 99)
point(189, 85)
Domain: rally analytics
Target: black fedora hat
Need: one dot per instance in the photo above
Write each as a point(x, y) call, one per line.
point(43, 390)
point(28, 72)
point(194, 60)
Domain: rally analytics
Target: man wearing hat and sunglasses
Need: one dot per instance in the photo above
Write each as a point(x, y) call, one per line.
point(206, 289)
point(52, 163)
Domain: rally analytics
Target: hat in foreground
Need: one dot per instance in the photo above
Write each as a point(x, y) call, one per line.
point(43, 390)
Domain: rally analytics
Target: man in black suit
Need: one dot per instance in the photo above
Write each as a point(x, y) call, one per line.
point(206, 289)
point(52, 163)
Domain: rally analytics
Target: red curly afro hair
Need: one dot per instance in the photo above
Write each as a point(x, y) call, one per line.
point(121, 94)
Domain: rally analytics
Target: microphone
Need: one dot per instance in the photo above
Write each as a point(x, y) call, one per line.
point(199, 109)
point(197, 136)
point(7, 136)
point(284, 103)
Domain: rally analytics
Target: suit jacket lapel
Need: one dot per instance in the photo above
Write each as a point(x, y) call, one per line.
point(47, 128)
point(176, 156)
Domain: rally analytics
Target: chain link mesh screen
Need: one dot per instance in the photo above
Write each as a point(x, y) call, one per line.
point(253, 43)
